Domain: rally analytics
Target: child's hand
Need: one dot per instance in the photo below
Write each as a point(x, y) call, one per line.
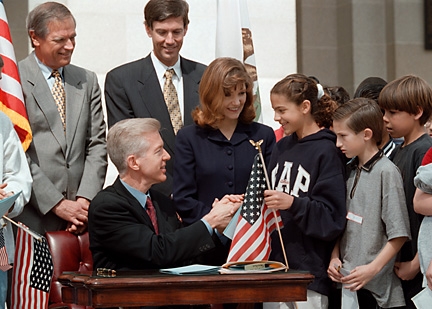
point(359, 276)
point(277, 199)
point(406, 270)
point(429, 275)
point(3, 192)
point(333, 270)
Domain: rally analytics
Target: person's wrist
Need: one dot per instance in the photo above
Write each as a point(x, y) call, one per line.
point(210, 219)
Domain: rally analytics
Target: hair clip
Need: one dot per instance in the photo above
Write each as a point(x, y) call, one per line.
point(320, 91)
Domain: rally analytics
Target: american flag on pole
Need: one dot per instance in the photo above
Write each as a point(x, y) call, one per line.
point(11, 96)
point(251, 241)
point(234, 39)
point(32, 273)
point(4, 261)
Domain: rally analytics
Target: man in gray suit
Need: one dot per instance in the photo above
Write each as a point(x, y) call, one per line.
point(135, 89)
point(67, 156)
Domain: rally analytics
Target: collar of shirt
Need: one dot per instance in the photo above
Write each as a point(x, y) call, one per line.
point(241, 133)
point(177, 80)
point(140, 196)
point(47, 72)
point(353, 163)
point(160, 69)
point(367, 167)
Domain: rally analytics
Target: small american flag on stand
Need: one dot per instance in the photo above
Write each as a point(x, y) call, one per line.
point(251, 241)
point(4, 261)
point(32, 274)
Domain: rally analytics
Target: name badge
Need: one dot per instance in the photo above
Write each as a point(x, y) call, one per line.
point(353, 217)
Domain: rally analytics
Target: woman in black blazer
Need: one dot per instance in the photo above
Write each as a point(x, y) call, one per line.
point(214, 156)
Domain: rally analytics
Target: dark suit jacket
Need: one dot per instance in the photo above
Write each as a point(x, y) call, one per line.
point(122, 236)
point(209, 166)
point(133, 90)
point(62, 166)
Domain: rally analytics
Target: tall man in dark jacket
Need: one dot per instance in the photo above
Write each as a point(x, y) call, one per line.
point(135, 89)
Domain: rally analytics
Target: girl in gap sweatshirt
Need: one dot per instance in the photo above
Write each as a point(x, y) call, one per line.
point(308, 180)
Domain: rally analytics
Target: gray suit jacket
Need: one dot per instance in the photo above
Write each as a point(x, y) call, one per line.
point(133, 90)
point(62, 166)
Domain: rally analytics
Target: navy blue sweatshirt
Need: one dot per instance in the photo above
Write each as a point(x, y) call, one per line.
point(312, 170)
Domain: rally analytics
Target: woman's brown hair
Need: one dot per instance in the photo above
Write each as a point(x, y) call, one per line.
point(220, 77)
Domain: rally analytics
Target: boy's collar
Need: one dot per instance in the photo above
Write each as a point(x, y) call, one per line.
point(353, 164)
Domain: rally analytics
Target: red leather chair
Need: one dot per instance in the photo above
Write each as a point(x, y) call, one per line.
point(69, 253)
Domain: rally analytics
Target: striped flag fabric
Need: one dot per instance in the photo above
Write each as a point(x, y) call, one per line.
point(11, 96)
point(234, 39)
point(32, 273)
point(4, 261)
point(251, 240)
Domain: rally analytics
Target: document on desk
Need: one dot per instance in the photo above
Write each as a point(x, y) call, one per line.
point(6, 203)
point(195, 269)
point(252, 267)
point(423, 300)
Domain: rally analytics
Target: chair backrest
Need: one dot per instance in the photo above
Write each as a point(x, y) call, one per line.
point(69, 253)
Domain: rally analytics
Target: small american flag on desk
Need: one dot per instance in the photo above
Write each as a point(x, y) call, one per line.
point(251, 241)
point(32, 274)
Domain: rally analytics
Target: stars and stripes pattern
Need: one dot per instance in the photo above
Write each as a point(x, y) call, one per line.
point(4, 261)
point(32, 274)
point(251, 241)
point(11, 96)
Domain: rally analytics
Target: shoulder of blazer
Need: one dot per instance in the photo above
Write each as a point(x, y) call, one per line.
point(76, 70)
point(76, 75)
point(29, 69)
point(192, 69)
point(118, 193)
point(133, 70)
point(165, 203)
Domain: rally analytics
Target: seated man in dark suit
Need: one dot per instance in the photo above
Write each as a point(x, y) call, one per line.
point(134, 227)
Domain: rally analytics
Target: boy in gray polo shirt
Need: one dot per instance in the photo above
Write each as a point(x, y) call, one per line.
point(377, 224)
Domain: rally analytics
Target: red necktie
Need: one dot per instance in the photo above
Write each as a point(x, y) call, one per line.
point(151, 211)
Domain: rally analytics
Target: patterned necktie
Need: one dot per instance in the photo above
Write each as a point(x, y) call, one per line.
point(151, 211)
point(59, 95)
point(171, 100)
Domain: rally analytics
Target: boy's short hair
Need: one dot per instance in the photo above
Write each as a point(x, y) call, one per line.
point(361, 114)
point(409, 94)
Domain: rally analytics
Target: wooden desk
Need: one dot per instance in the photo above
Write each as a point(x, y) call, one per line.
point(151, 288)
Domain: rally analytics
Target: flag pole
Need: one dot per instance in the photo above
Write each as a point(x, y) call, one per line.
point(24, 228)
point(257, 145)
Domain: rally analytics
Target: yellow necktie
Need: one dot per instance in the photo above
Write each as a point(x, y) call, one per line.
point(59, 95)
point(171, 100)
